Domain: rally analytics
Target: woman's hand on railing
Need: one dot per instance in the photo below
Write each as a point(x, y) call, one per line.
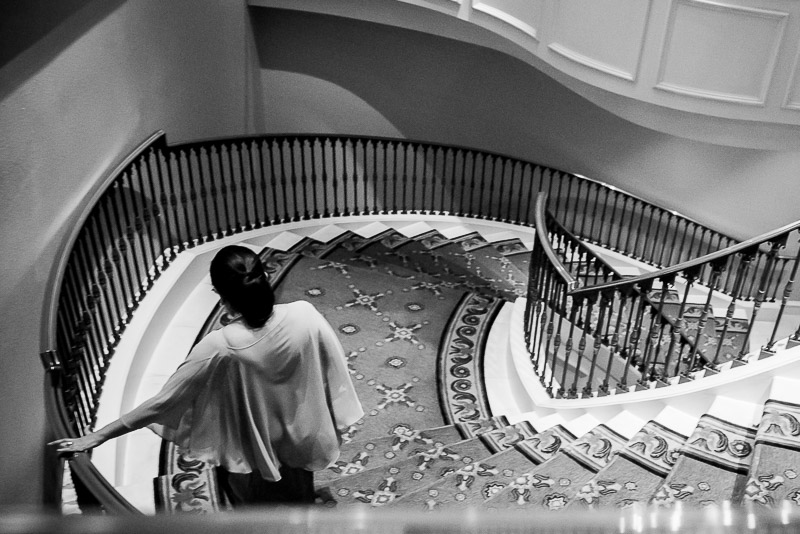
point(83, 443)
point(92, 439)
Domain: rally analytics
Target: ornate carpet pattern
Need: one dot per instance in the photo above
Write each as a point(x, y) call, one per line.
point(413, 334)
point(773, 476)
point(413, 315)
point(712, 465)
point(552, 484)
point(636, 472)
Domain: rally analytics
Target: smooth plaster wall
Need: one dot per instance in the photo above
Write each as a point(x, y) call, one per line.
point(361, 77)
point(71, 105)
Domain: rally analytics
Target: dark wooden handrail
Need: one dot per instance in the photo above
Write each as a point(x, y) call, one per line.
point(544, 239)
point(751, 244)
point(80, 463)
point(56, 277)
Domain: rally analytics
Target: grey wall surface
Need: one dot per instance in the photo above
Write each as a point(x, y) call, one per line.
point(73, 102)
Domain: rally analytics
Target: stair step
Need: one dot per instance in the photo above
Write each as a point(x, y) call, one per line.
point(552, 484)
point(382, 485)
point(472, 483)
point(358, 456)
point(775, 468)
point(481, 480)
point(712, 466)
point(633, 476)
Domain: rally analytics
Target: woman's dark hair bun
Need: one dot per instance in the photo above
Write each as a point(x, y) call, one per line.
point(238, 275)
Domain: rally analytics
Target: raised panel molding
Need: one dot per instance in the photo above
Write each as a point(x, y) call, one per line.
point(592, 63)
point(792, 100)
point(601, 39)
point(494, 9)
point(735, 59)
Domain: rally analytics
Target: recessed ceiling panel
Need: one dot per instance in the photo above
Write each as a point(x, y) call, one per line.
point(720, 51)
point(593, 33)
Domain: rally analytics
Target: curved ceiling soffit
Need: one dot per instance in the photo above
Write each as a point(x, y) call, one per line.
point(709, 71)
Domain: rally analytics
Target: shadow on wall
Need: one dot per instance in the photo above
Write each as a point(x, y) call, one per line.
point(437, 89)
point(433, 88)
point(34, 32)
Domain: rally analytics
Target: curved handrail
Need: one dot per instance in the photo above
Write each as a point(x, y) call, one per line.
point(744, 247)
point(54, 280)
point(80, 463)
point(666, 332)
point(544, 240)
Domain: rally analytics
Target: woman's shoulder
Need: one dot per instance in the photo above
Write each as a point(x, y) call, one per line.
point(300, 307)
point(211, 345)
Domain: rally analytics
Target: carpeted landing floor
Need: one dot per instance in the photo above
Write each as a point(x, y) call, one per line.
point(413, 315)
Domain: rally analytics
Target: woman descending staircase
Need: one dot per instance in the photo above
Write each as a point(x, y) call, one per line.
point(414, 309)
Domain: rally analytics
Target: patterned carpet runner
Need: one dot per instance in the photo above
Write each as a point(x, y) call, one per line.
point(413, 315)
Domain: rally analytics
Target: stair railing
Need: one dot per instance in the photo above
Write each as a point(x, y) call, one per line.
point(564, 264)
point(628, 334)
point(161, 200)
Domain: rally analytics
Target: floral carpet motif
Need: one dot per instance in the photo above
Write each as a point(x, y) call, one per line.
point(554, 483)
point(712, 466)
point(637, 471)
point(483, 480)
point(773, 476)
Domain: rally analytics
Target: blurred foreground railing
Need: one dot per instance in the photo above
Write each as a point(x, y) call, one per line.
point(720, 519)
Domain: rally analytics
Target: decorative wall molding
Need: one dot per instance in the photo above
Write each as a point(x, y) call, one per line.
point(719, 71)
point(602, 41)
point(717, 77)
point(506, 18)
point(792, 99)
point(592, 63)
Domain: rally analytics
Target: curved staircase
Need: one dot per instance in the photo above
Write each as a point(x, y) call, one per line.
point(416, 307)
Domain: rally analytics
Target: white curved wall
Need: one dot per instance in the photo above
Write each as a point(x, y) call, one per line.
point(71, 105)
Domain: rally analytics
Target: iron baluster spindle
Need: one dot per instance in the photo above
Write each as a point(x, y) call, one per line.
point(787, 292)
point(741, 275)
point(761, 292)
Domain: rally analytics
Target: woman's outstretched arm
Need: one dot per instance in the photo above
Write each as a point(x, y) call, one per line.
point(176, 395)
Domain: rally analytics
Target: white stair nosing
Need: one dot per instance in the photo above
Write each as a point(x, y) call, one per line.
point(414, 229)
point(327, 233)
point(452, 231)
point(785, 389)
point(282, 241)
point(736, 411)
point(366, 230)
point(677, 420)
point(626, 424)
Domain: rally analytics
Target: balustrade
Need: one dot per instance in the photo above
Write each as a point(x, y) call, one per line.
point(595, 332)
point(588, 330)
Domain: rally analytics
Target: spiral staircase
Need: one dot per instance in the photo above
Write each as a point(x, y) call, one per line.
point(671, 386)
